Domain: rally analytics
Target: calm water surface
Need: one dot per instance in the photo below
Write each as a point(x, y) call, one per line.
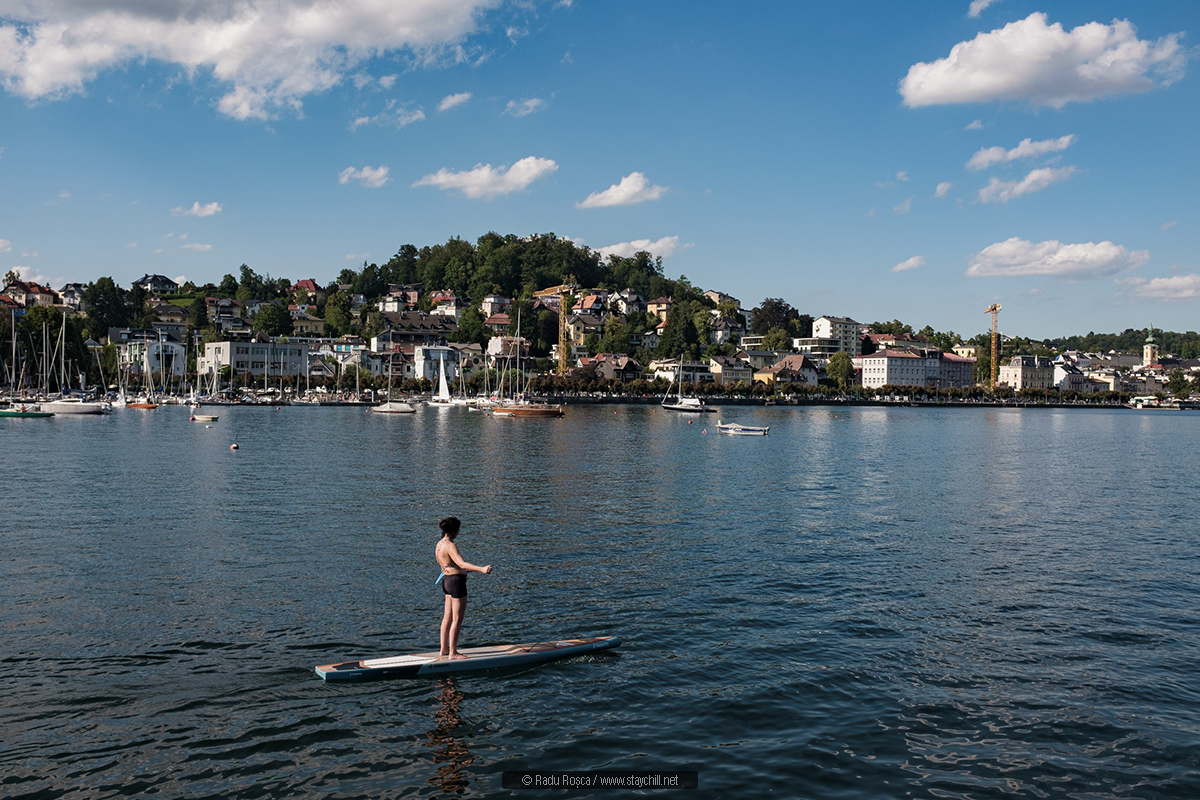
point(943, 603)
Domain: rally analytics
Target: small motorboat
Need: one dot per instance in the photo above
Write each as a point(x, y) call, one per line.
point(734, 429)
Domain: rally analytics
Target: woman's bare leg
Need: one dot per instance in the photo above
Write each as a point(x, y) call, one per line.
point(457, 608)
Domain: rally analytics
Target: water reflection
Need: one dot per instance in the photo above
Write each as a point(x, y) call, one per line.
point(447, 743)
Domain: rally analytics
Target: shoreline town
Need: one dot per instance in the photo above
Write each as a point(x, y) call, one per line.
point(402, 346)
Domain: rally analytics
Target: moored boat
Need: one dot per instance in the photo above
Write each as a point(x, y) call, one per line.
point(72, 405)
point(393, 407)
point(25, 412)
point(688, 405)
point(734, 429)
point(527, 410)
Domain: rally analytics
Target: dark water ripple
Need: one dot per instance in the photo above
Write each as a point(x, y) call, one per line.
point(944, 603)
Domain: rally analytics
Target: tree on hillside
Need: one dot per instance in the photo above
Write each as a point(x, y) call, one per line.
point(895, 328)
point(227, 287)
point(337, 314)
point(777, 339)
point(273, 319)
point(772, 313)
point(471, 327)
point(1178, 384)
point(105, 307)
point(402, 267)
point(198, 313)
point(369, 283)
point(679, 334)
point(840, 369)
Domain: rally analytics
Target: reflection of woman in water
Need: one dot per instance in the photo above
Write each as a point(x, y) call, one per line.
point(454, 584)
point(449, 753)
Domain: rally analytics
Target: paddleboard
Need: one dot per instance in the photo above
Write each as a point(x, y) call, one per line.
point(491, 657)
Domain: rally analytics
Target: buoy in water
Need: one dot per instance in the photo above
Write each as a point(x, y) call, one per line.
point(233, 447)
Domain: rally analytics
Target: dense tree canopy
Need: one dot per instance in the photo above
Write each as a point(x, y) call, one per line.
point(273, 319)
point(773, 313)
point(105, 307)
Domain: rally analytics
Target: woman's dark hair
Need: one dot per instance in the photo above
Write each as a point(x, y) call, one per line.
point(450, 525)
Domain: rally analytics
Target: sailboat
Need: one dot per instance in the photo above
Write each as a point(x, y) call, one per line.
point(391, 406)
point(516, 407)
point(442, 398)
point(72, 405)
point(145, 402)
point(692, 405)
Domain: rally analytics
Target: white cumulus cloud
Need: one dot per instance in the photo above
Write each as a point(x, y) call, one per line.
point(268, 54)
point(1049, 66)
point(904, 207)
point(989, 156)
point(5, 246)
point(663, 247)
point(907, 264)
point(372, 177)
point(27, 275)
point(998, 191)
point(1018, 258)
point(197, 210)
point(452, 100)
point(486, 181)
point(942, 188)
point(976, 125)
point(523, 108)
point(977, 7)
point(195, 247)
point(394, 115)
point(1176, 287)
point(633, 188)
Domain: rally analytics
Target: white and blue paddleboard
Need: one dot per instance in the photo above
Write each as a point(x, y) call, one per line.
point(491, 657)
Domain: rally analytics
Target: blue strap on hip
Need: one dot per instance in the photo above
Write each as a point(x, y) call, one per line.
point(438, 582)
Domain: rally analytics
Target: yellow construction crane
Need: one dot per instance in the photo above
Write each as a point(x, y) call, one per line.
point(564, 331)
point(994, 310)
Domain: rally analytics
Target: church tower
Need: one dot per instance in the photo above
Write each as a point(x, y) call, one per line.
point(1150, 349)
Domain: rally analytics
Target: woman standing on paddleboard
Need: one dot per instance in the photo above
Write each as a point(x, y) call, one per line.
point(454, 584)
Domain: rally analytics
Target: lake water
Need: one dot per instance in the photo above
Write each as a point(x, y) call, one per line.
point(900, 602)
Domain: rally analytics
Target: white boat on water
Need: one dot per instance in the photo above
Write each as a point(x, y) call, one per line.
point(442, 398)
point(688, 405)
point(75, 405)
point(393, 407)
point(734, 429)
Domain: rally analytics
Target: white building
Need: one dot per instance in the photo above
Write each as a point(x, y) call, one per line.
point(693, 371)
point(1027, 372)
point(427, 361)
point(900, 368)
point(257, 358)
point(904, 367)
point(847, 332)
point(153, 356)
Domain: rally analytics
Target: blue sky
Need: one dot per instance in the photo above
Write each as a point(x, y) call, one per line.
point(871, 160)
